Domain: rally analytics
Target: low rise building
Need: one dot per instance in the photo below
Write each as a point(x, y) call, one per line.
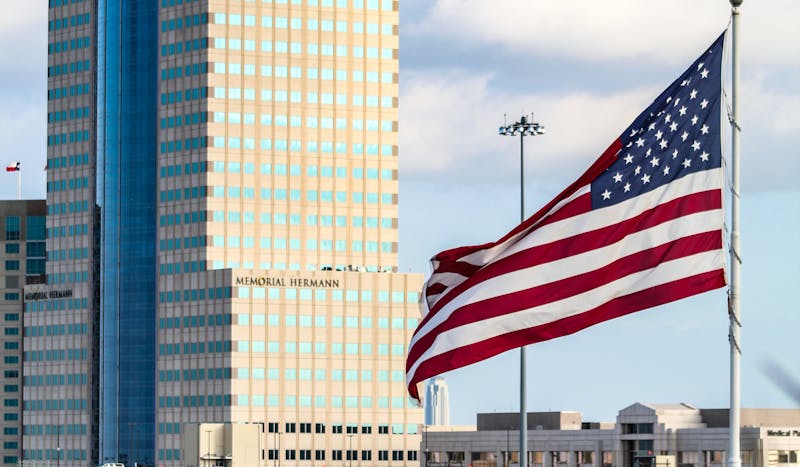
point(644, 435)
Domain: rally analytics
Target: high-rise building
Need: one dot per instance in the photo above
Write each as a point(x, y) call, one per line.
point(222, 234)
point(22, 261)
point(437, 402)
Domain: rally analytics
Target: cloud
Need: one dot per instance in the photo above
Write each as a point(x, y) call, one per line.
point(614, 30)
point(450, 120)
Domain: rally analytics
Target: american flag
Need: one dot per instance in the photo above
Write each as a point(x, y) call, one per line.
point(640, 228)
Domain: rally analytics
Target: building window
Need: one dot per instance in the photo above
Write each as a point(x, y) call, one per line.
point(12, 228)
point(290, 428)
point(305, 428)
point(319, 455)
point(319, 428)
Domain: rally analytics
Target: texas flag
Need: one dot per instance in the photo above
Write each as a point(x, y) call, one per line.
point(13, 167)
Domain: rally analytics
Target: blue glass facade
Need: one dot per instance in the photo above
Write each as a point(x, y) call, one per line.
point(126, 194)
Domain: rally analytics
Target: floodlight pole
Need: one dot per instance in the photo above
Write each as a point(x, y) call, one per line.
point(524, 128)
point(734, 456)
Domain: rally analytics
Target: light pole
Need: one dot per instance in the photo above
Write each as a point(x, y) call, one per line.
point(522, 128)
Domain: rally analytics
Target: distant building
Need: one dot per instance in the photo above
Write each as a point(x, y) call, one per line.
point(437, 402)
point(644, 435)
point(22, 262)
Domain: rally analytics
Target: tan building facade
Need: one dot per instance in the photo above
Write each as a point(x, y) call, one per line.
point(280, 304)
point(644, 435)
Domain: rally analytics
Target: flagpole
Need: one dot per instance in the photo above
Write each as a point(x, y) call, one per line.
point(524, 128)
point(734, 457)
point(19, 184)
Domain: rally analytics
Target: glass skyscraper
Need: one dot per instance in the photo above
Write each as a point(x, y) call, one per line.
point(222, 234)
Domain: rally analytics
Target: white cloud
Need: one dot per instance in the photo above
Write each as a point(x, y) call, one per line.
point(617, 29)
point(450, 121)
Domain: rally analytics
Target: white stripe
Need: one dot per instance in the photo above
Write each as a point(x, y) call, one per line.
point(563, 268)
point(592, 220)
point(614, 214)
point(483, 256)
point(485, 329)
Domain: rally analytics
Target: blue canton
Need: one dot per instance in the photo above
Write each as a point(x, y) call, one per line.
point(677, 135)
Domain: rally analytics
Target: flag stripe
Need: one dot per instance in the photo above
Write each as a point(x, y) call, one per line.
point(456, 357)
point(562, 288)
point(553, 236)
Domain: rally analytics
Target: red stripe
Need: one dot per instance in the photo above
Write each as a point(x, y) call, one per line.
point(608, 157)
point(620, 306)
point(558, 290)
point(583, 242)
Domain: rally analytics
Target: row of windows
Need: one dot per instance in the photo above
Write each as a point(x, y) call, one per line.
point(325, 171)
point(311, 24)
point(72, 44)
point(196, 294)
point(68, 231)
point(178, 170)
point(67, 68)
point(53, 454)
point(175, 268)
point(68, 184)
point(296, 121)
point(282, 194)
point(70, 379)
point(68, 208)
point(267, 218)
point(179, 96)
point(296, 48)
point(305, 454)
point(68, 138)
point(180, 23)
point(291, 374)
point(68, 91)
point(283, 145)
point(181, 120)
point(32, 249)
point(56, 330)
point(255, 346)
point(55, 3)
point(178, 72)
point(288, 293)
point(187, 144)
point(68, 278)
point(296, 97)
point(73, 160)
point(385, 5)
point(255, 400)
point(180, 47)
point(55, 355)
point(55, 404)
point(188, 218)
point(71, 114)
point(281, 266)
point(48, 430)
point(170, 244)
point(66, 22)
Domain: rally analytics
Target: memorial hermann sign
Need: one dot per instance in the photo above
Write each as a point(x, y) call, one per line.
point(267, 281)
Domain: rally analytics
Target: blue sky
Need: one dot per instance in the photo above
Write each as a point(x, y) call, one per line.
point(585, 69)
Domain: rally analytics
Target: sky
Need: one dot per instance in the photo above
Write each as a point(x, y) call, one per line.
point(584, 70)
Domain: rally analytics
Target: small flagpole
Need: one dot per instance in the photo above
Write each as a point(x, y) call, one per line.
point(734, 457)
point(19, 183)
